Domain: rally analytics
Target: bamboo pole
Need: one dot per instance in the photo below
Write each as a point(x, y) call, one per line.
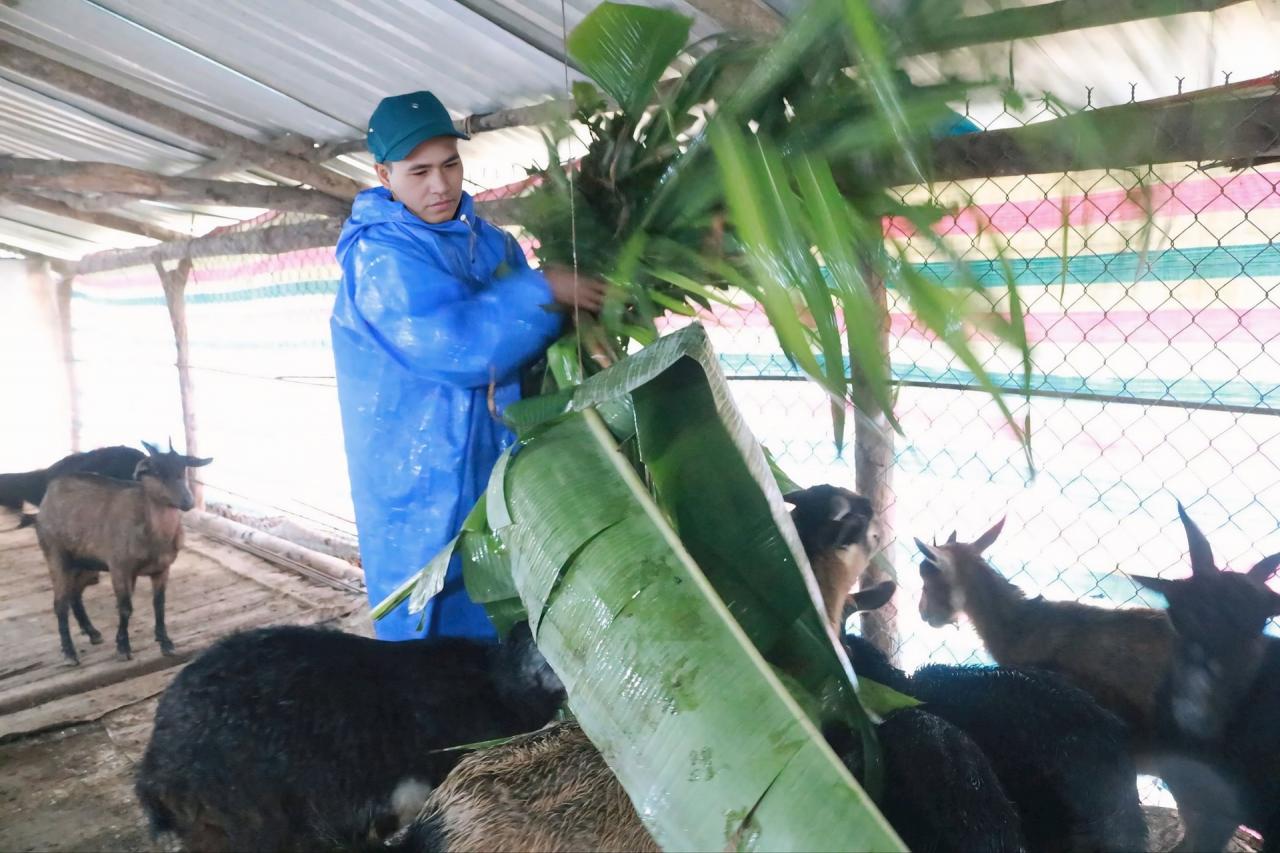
point(873, 467)
point(286, 553)
point(86, 177)
point(175, 285)
point(141, 108)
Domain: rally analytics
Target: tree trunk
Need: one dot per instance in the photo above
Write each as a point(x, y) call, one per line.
point(873, 464)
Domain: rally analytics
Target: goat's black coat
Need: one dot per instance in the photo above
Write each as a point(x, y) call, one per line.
point(295, 738)
point(118, 462)
point(940, 792)
point(1063, 760)
point(1234, 778)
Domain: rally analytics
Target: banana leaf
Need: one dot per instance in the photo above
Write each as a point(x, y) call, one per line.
point(686, 628)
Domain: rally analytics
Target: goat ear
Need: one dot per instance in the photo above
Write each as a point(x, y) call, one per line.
point(151, 448)
point(195, 462)
point(874, 597)
point(1274, 602)
point(985, 541)
point(1160, 585)
point(1265, 568)
point(1201, 553)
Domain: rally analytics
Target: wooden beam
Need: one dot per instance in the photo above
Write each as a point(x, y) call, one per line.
point(272, 240)
point(77, 177)
point(1132, 135)
point(873, 461)
point(1052, 18)
point(174, 282)
point(102, 220)
point(120, 99)
point(742, 16)
point(66, 341)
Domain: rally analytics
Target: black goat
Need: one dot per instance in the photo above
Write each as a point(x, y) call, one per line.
point(89, 523)
point(297, 738)
point(1062, 759)
point(1219, 707)
point(29, 487)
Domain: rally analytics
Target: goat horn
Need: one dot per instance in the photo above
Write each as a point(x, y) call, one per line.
point(170, 444)
point(1265, 568)
point(924, 549)
point(1201, 553)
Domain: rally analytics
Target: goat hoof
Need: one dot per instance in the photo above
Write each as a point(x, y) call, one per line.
point(95, 638)
point(70, 660)
point(168, 650)
point(123, 655)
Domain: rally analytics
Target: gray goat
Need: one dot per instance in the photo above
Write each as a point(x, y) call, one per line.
point(89, 524)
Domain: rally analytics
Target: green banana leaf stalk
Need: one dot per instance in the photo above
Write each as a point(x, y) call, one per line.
point(675, 603)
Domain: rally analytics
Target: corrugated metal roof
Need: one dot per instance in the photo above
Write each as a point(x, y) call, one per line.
point(318, 68)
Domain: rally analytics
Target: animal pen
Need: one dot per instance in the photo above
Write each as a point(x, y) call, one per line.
point(1151, 299)
point(1140, 238)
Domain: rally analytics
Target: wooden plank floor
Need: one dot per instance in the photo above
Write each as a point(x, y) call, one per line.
point(71, 735)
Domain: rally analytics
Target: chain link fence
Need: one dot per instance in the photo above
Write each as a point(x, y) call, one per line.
point(1152, 301)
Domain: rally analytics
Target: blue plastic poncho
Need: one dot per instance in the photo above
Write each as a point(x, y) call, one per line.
point(426, 318)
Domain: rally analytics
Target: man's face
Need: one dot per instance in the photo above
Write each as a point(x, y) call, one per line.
point(428, 181)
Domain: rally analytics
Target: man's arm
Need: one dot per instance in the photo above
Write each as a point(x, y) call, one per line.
point(467, 342)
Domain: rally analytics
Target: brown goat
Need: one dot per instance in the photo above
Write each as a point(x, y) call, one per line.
point(90, 524)
point(546, 791)
point(840, 536)
point(1119, 656)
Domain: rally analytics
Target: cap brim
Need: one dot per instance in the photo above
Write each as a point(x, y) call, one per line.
point(404, 147)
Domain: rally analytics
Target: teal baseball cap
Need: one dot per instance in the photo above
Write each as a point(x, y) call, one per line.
point(403, 122)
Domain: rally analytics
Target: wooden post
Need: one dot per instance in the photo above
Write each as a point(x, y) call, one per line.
point(175, 286)
point(63, 295)
point(873, 466)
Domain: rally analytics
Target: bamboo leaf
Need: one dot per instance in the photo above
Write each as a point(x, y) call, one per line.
point(625, 49)
point(750, 195)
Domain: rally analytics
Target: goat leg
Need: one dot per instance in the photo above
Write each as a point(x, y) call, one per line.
point(122, 585)
point(63, 592)
point(82, 580)
point(60, 606)
point(158, 583)
point(82, 617)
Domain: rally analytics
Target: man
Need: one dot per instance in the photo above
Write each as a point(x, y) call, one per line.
point(436, 307)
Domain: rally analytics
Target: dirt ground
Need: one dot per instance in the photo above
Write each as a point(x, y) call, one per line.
point(71, 736)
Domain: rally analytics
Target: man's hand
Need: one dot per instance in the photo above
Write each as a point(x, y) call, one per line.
point(585, 293)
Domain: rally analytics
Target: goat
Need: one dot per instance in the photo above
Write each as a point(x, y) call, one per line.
point(89, 523)
point(28, 487)
point(297, 738)
point(1220, 704)
point(1118, 656)
point(553, 790)
point(840, 536)
point(547, 791)
point(1063, 760)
